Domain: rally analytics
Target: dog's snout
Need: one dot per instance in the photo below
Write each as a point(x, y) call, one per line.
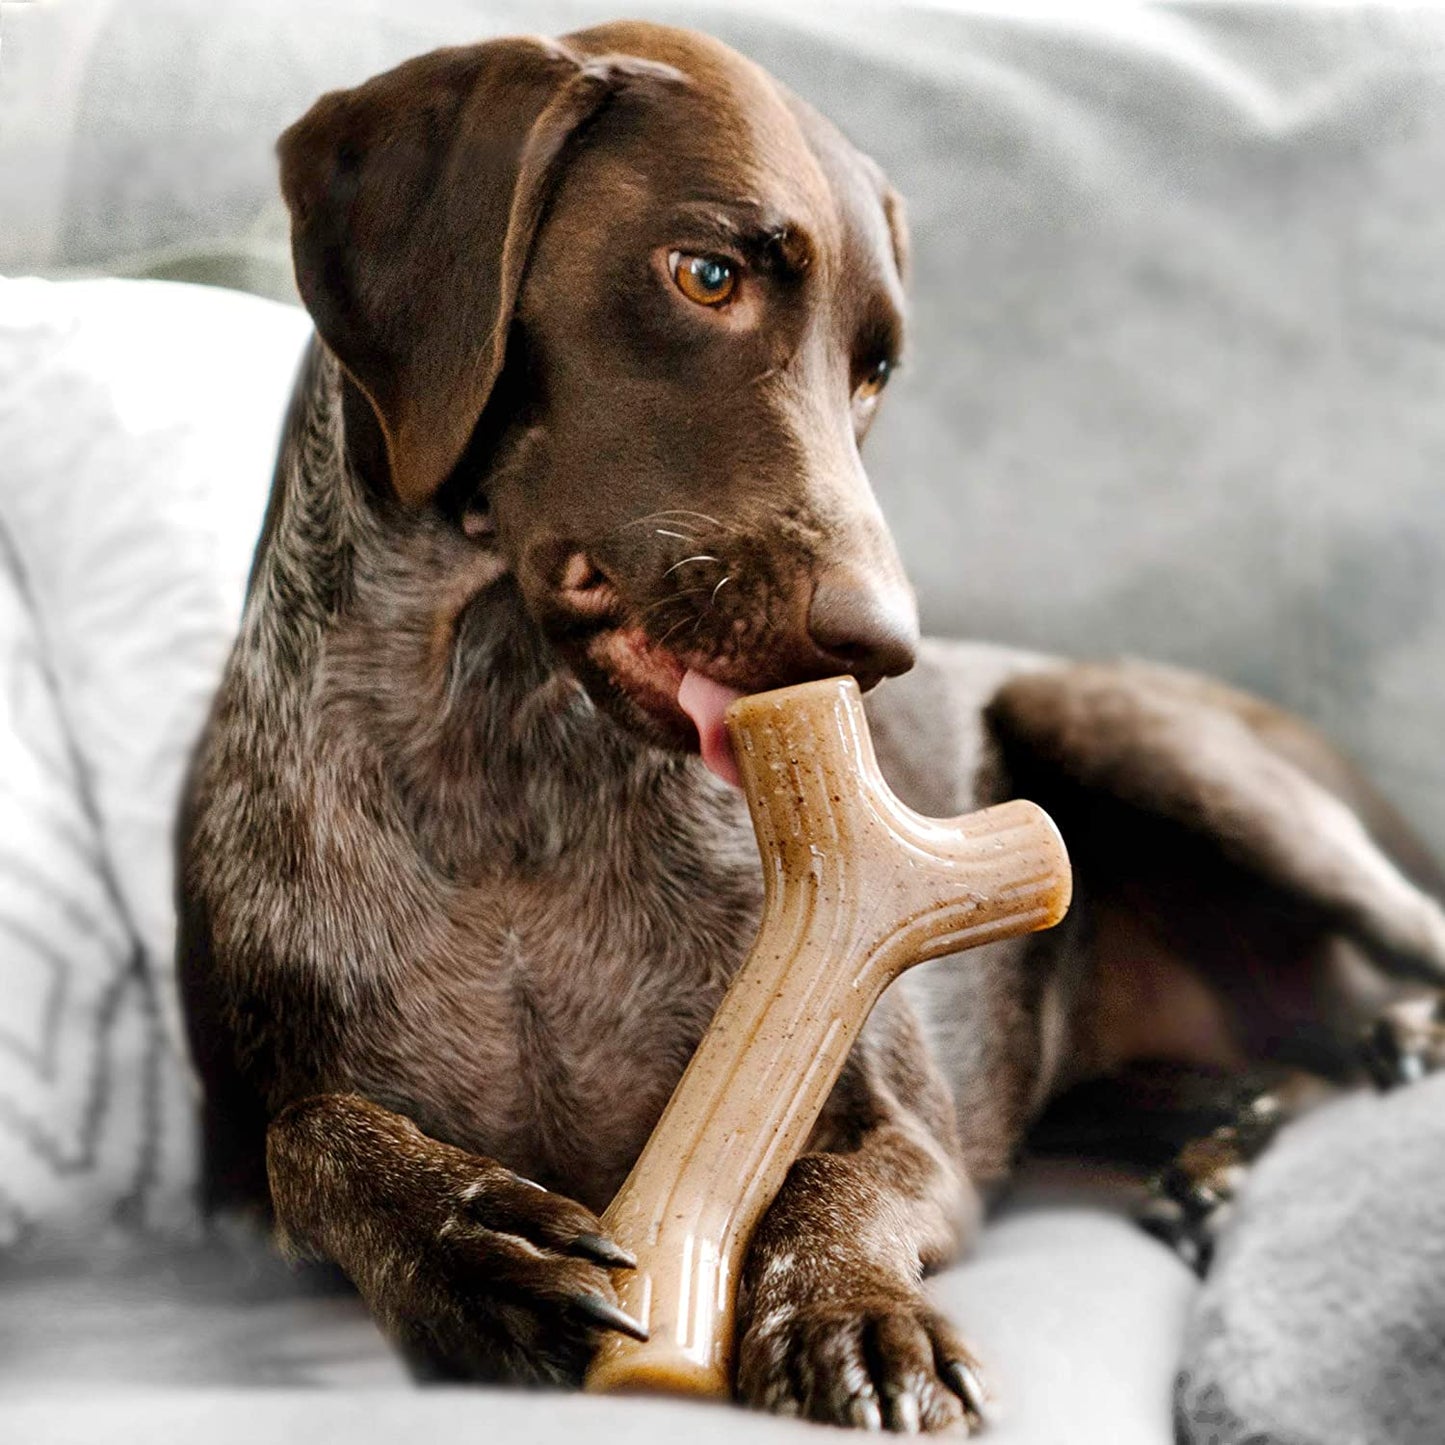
point(868, 627)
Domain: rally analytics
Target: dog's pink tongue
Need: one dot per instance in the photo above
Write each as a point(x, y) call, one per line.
point(705, 702)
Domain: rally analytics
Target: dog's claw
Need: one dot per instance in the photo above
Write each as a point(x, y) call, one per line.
point(608, 1316)
point(1382, 1057)
point(604, 1251)
point(864, 1413)
point(1259, 1119)
point(903, 1407)
point(963, 1380)
point(1406, 1043)
point(1165, 1219)
point(885, 1362)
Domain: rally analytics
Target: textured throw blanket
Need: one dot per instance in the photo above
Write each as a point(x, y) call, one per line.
point(137, 428)
point(1323, 1322)
point(80, 1048)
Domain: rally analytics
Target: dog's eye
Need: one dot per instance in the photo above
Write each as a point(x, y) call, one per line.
point(708, 280)
point(875, 381)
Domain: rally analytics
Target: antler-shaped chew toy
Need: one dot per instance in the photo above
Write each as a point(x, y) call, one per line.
point(857, 889)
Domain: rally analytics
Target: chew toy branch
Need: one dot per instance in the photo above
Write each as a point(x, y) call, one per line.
point(858, 888)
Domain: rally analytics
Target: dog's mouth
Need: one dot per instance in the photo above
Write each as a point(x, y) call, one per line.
point(679, 701)
point(677, 696)
point(677, 692)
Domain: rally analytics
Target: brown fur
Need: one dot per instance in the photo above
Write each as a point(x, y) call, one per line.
point(458, 901)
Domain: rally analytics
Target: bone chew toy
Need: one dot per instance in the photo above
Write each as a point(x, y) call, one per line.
point(857, 889)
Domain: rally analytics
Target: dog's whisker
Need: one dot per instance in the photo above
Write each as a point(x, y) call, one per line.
point(671, 597)
point(647, 522)
point(677, 515)
point(649, 519)
point(642, 521)
point(656, 606)
point(681, 536)
point(701, 517)
point(701, 557)
point(663, 513)
point(711, 602)
point(662, 641)
point(705, 521)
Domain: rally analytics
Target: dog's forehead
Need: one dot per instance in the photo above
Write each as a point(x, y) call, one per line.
point(728, 134)
point(727, 128)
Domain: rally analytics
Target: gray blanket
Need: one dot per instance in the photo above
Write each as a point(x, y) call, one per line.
point(1323, 1321)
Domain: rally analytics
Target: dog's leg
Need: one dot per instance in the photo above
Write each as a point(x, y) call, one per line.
point(476, 1271)
point(836, 1326)
point(1253, 783)
point(1191, 1199)
point(1259, 859)
point(834, 1322)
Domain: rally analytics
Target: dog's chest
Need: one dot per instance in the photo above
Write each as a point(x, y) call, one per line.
point(548, 1023)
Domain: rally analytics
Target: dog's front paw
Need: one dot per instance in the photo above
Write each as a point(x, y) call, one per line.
point(522, 1274)
point(876, 1357)
point(477, 1272)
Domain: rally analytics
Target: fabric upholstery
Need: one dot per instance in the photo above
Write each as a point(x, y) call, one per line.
point(1077, 1313)
point(1323, 1320)
point(82, 1058)
point(137, 425)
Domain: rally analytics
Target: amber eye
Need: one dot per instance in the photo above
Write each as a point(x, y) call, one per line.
point(875, 381)
point(708, 280)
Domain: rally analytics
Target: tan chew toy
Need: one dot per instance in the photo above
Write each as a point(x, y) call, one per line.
point(858, 888)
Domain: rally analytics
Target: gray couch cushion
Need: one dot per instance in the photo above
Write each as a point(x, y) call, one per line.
point(1075, 1311)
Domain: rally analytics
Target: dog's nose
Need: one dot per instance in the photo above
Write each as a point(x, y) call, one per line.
point(868, 627)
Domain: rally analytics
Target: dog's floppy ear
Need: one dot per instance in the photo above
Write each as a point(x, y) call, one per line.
point(414, 200)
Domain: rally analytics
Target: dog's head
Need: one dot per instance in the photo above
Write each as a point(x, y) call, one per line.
point(623, 308)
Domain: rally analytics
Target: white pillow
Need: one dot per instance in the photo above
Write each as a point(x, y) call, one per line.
point(90, 1136)
point(138, 425)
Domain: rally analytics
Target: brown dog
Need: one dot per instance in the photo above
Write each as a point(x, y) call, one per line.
point(601, 326)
